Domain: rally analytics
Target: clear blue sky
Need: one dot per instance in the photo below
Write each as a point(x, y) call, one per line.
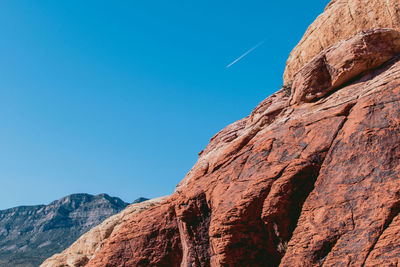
point(118, 97)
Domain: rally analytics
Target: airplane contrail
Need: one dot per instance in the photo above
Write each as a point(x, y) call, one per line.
point(247, 52)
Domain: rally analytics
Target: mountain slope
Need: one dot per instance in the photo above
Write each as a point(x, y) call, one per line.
point(30, 234)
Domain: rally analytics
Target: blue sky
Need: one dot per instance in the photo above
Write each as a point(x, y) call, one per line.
point(118, 97)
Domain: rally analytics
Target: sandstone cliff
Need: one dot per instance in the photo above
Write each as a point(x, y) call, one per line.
point(310, 178)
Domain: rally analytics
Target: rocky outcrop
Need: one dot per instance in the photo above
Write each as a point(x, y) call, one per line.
point(309, 178)
point(299, 182)
point(85, 248)
point(341, 19)
point(30, 234)
point(344, 61)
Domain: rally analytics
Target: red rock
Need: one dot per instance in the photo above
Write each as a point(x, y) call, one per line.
point(357, 194)
point(337, 65)
point(307, 179)
point(292, 185)
point(341, 20)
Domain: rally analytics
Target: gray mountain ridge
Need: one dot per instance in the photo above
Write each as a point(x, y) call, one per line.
point(30, 234)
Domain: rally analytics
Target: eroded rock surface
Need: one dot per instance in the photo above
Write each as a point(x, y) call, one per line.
point(307, 179)
point(294, 185)
point(342, 62)
point(341, 19)
point(356, 199)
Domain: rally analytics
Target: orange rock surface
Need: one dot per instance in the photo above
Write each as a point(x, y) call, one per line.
point(310, 183)
point(341, 19)
point(340, 63)
point(310, 178)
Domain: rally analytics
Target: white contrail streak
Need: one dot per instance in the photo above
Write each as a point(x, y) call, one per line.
point(245, 54)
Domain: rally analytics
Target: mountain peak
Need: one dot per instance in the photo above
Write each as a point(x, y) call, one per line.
point(30, 234)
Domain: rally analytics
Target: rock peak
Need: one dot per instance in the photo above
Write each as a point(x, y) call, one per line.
point(343, 62)
point(341, 20)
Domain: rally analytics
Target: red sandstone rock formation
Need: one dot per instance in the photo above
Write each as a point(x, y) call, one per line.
point(310, 179)
point(341, 19)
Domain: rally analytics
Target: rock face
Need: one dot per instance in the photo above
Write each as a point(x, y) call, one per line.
point(333, 67)
point(341, 19)
point(85, 248)
point(310, 178)
point(315, 183)
point(30, 234)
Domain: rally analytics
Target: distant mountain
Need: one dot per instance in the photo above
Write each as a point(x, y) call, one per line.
point(30, 234)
